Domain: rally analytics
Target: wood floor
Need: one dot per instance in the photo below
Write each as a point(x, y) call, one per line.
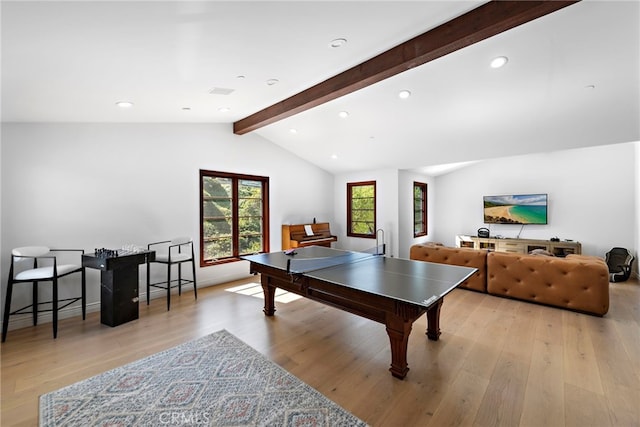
point(498, 362)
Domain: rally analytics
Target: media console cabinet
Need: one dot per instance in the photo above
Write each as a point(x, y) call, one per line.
point(522, 246)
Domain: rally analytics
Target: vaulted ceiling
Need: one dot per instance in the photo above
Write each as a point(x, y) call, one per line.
point(571, 80)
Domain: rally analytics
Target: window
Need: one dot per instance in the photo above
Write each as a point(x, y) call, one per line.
point(234, 216)
point(361, 209)
point(419, 209)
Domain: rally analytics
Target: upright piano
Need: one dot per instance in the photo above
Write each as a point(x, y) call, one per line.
point(300, 235)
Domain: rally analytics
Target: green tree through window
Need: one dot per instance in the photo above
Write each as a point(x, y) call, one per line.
point(361, 209)
point(419, 209)
point(234, 216)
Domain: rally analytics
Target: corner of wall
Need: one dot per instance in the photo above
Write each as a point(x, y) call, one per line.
point(636, 146)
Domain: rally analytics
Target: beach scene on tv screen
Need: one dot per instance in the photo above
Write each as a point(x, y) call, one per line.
point(516, 209)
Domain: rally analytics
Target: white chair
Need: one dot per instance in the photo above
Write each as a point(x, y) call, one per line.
point(44, 267)
point(170, 252)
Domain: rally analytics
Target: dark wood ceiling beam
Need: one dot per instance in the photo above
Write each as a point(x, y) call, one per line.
point(479, 24)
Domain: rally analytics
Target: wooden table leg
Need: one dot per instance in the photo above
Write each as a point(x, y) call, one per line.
point(399, 339)
point(269, 296)
point(433, 320)
point(399, 324)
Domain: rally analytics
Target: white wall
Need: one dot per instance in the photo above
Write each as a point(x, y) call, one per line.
point(592, 196)
point(386, 209)
point(104, 185)
point(636, 233)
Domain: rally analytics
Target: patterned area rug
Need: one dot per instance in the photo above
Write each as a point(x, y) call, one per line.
point(217, 380)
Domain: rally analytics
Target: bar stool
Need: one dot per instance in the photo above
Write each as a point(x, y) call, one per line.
point(35, 275)
point(170, 252)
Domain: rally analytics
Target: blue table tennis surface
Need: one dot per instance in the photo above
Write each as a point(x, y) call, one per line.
point(416, 282)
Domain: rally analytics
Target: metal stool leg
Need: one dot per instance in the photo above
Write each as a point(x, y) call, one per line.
point(148, 280)
point(193, 268)
point(55, 307)
point(84, 295)
point(34, 302)
point(168, 286)
point(7, 308)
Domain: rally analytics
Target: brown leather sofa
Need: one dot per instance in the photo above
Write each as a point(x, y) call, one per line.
point(577, 282)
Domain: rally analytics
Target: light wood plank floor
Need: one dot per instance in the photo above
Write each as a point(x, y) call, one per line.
point(498, 362)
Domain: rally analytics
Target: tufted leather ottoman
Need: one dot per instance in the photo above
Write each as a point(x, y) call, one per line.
point(576, 282)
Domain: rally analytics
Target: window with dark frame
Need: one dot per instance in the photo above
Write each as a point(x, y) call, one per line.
point(419, 209)
point(234, 216)
point(361, 209)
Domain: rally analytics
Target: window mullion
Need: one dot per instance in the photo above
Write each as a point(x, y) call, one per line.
point(235, 220)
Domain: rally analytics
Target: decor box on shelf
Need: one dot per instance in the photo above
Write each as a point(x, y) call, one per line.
point(521, 246)
point(574, 282)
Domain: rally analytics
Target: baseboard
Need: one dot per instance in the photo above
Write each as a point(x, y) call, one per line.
point(20, 321)
point(26, 320)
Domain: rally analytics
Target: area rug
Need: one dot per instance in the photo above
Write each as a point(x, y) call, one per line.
point(216, 380)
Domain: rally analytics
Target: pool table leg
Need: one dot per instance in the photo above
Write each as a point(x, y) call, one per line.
point(269, 296)
point(399, 323)
point(399, 338)
point(433, 320)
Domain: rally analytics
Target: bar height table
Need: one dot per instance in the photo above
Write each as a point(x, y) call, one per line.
point(118, 283)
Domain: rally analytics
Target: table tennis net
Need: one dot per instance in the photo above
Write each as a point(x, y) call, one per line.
point(306, 265)
point(376, 250)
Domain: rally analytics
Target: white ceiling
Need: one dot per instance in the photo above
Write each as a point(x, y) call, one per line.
point(72, 61)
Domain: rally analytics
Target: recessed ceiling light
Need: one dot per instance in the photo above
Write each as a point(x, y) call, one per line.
point(224, 109)
point(124, 104)
point(334, 156)
point(293, 130)
point(498, 62)
point(220, 91)
point(343, 114)
point(272, 82)
point(590, 87)
point(186, 108)
point(338, 42)
point(240, 77)
point(404, 94)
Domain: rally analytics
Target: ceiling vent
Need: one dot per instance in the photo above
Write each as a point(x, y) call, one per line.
point(220, 91)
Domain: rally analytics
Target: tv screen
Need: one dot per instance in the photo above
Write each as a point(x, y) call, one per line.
point(516, 209)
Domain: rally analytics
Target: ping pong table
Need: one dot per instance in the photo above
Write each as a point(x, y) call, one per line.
point(392, 291)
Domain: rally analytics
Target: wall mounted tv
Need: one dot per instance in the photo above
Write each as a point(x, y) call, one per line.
point(515, 209)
